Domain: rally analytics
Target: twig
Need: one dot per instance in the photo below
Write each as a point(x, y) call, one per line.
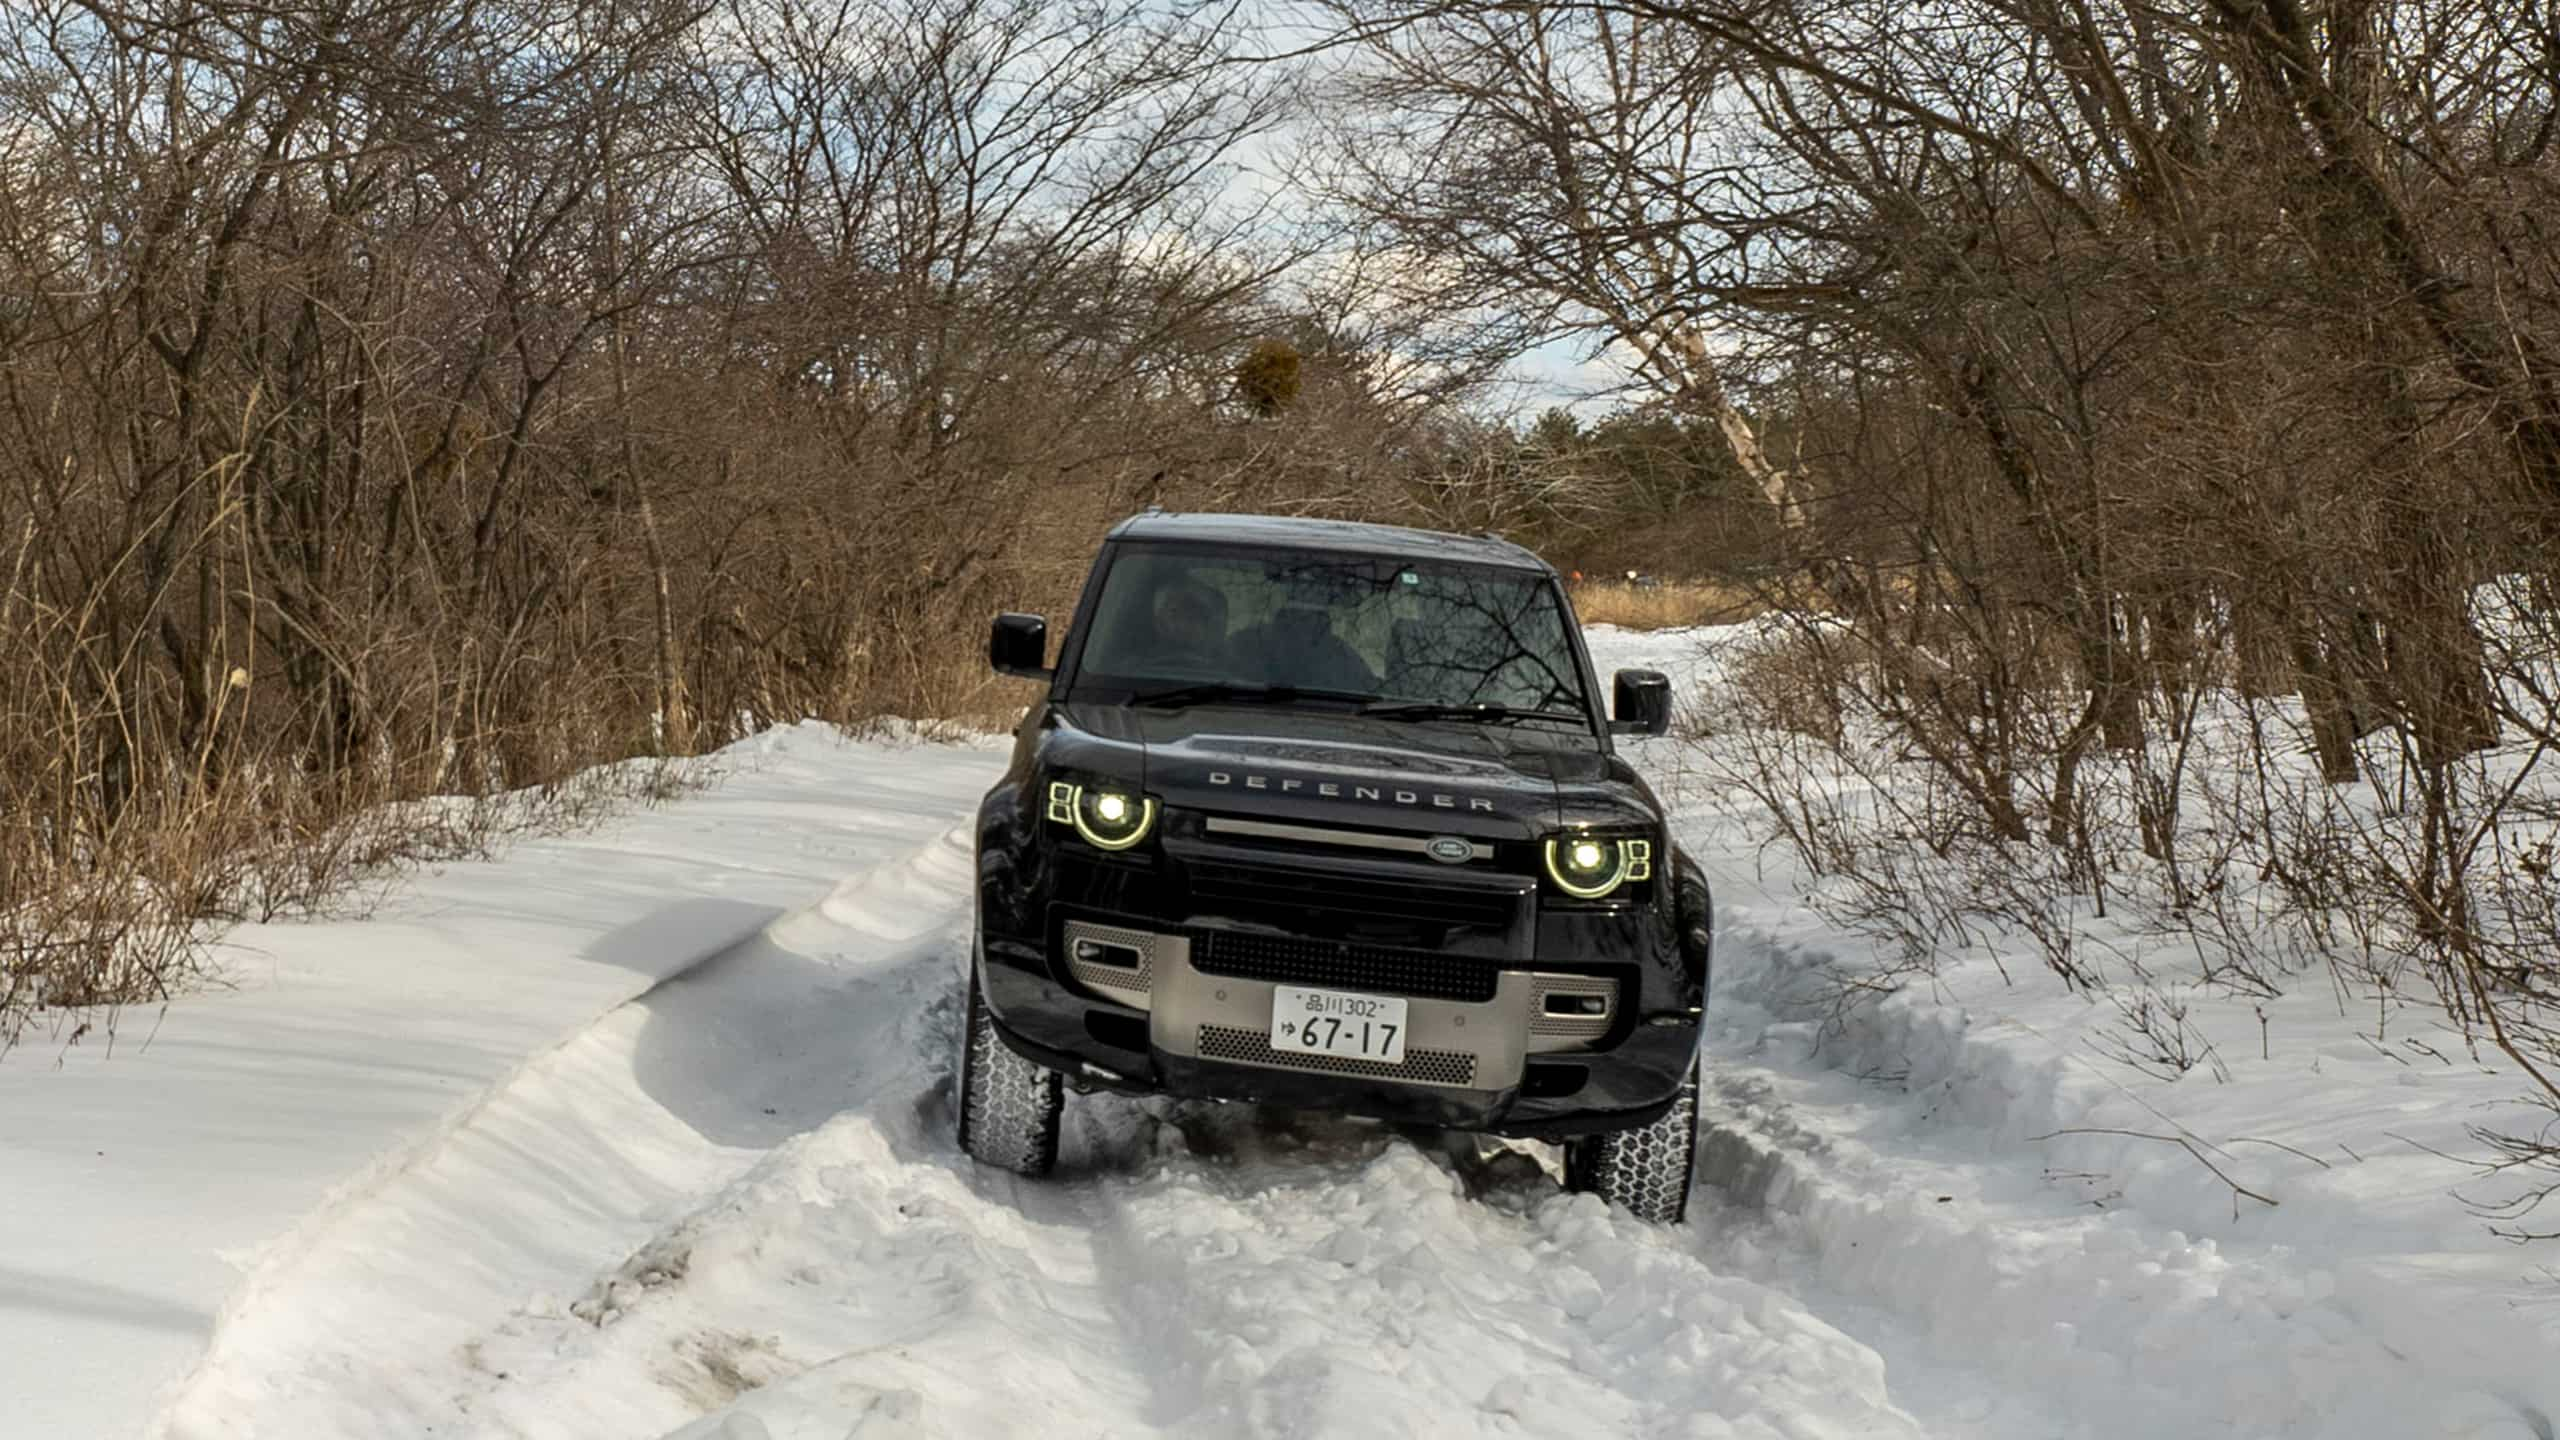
point(2280, 1145)
point(2441, 1154)
point(2183, 1143)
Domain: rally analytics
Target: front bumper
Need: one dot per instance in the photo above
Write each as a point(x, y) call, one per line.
point(1547, 1053)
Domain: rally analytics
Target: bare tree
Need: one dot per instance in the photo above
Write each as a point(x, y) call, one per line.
point(1580, 166)
point(411, 396)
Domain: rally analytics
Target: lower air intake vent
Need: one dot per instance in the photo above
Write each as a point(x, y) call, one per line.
point(1572, 1007)
point(1420, 1067)
point(1426, 973)
point(1118, 963)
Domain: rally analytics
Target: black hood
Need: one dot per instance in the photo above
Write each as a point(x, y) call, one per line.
point(1325, 767)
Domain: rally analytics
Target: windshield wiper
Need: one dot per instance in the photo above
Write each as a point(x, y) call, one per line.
point(1483, 713)
point(1230, 692)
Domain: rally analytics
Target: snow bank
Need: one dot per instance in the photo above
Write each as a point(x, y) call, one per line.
point(214, 1146)
point(1964, 1158)
point(2367, 1302)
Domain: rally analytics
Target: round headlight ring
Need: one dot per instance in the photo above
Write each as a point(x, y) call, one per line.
point(1110, 819)
point(1586, 868)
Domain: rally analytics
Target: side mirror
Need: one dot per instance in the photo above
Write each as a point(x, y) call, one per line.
point(1643, 703)
point(1019, 645)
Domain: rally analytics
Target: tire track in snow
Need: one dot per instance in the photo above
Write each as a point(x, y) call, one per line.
point(1340, 1281)
point(878, 1280)
point(1193, 1268)
point(1196, 1269)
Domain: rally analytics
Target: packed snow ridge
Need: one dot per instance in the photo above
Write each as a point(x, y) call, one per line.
point(648, 1133)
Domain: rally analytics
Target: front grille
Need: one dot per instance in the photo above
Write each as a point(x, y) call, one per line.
point(1420, 1067)
point(1269, 889)
point(1372, 968)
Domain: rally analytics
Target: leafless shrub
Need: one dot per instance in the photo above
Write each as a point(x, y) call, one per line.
point(2155, 1036)
point(2533, 1155)
point(1791, 682)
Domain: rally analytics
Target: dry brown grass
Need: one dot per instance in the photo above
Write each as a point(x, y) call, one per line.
point(1667, 606)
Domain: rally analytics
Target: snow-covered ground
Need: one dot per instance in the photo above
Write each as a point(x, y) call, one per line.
point(149, 1194)
point(1964, 1159)
point(647, 1133)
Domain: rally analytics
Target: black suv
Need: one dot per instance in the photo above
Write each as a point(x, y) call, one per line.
point(1327, 815)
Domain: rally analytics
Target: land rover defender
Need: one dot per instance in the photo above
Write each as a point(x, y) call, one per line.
point(1327, 815)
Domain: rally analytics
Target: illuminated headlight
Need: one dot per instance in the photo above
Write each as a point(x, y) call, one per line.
point(1108, 819)
point(1588, 867)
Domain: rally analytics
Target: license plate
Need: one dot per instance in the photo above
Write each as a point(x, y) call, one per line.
point(1335, 1022)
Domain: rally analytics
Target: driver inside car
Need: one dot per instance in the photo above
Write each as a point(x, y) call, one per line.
point(1299, 646)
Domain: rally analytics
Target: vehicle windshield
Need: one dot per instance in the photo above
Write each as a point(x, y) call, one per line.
point(1171, 619)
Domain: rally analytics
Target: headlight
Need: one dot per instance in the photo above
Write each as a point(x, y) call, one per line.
point(1107, 818)
point(1588, 867)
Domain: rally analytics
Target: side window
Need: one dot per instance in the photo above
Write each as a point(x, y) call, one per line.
point(1115, 617)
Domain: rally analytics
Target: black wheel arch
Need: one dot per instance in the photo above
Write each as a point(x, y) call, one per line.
point(1695, 914)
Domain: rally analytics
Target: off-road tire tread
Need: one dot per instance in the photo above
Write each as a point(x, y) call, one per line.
point(1646, 1169)
point(1009, 1106)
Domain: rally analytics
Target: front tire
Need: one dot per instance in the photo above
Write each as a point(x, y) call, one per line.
point(1008, 1105)
point(1645, 1169)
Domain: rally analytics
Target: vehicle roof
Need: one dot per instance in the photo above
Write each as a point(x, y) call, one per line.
point(1347, 536)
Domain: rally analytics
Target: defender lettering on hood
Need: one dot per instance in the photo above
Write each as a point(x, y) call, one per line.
point(1333, 790)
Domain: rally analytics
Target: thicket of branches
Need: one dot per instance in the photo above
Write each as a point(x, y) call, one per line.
point(2157, 404)
point(411, 397)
